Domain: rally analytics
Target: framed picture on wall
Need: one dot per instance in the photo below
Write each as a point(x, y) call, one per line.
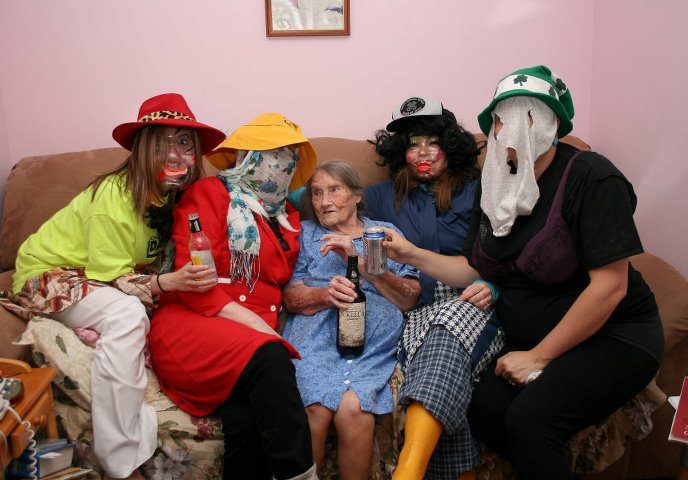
point(306, 17)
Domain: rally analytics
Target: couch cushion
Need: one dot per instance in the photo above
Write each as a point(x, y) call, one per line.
point(37, 187)
point(358, 153)
point(671, 294)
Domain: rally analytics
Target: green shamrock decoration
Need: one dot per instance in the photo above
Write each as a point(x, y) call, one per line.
point(521, 79)
point(561, 86)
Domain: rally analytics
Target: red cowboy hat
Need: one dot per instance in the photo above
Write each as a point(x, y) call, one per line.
point(168, 109)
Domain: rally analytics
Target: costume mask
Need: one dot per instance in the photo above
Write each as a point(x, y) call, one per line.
point(269, 175)
point(424, 157)
point(176, 156)
point(259, 184)
point(509, 187)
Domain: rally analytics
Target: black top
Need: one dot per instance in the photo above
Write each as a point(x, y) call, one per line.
point(549, 257)
point(598, 207)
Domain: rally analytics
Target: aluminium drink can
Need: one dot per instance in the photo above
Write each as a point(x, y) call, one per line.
point(374, 254)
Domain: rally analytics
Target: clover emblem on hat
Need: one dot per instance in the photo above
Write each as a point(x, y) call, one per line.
point(521, 79)
point(561, 86)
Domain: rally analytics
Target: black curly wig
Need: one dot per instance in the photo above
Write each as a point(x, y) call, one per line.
point(458, 145)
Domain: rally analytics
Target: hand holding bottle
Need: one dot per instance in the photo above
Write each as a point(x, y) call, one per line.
point(341, 292)
point(189, 278)
point(351, 321)
point(200, 273)
point(200, 249)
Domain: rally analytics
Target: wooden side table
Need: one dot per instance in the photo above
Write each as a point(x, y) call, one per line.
point(36, 406)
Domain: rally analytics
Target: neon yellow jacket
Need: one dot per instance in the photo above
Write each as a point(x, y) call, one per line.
point(102, 235)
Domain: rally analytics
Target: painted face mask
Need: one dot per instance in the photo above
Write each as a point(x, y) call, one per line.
point(176, 157)
point(523, 129)
point(424, 157)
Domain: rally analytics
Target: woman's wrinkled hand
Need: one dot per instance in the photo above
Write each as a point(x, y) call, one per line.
point(340, 292)
point(515, 367)
point(189, 278)
point(479, 294)
point(398, 248)
point(342, 245)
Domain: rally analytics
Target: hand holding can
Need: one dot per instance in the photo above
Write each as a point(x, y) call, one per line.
point(374, 254)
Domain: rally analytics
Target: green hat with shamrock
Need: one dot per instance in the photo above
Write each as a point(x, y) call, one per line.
point(538, 82)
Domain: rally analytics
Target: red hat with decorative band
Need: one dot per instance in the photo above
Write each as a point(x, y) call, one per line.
point(168, 109)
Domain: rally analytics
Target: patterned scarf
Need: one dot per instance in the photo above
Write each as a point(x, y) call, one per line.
point(258, 185)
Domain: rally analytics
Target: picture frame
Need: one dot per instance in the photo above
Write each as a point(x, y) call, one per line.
point(286, 18)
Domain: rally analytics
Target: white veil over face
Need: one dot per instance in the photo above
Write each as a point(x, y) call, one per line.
point(509, 187)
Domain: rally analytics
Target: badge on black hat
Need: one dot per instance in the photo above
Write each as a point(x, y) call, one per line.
point(414, 107)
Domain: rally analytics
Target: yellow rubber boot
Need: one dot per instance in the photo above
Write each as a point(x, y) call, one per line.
point(422, 432)
point(468, 476)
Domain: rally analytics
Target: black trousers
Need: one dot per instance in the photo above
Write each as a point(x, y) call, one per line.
point(264, 422)
point(530, 426)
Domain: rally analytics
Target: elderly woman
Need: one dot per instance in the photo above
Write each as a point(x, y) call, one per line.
point(452, 335)
point(554, 231)
point(217, 351)
point(89, 267)
point(345, 390)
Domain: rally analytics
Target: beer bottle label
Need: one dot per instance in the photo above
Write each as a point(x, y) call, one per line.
point(352, 325)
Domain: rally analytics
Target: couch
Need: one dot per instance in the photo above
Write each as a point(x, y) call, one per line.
point(191, 447)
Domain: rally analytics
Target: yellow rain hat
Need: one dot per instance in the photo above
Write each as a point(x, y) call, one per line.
point(267, 132)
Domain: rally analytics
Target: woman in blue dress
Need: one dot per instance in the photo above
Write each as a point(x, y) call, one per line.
point(345, 390)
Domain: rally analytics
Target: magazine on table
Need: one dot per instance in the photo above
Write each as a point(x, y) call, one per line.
point(679, 427)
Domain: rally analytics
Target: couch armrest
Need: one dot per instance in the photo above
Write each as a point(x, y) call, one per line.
point(11, 327)
point(671, 293)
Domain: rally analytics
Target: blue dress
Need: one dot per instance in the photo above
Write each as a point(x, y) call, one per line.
point(322, 374)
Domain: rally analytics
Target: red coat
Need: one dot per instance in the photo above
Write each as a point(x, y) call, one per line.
point(197, 356)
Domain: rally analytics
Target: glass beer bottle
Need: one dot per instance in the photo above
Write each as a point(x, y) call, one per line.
point(351, 322)
point(200, 250)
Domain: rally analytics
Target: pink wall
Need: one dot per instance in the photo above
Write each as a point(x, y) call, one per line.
point(4, 150)
point(71, 70)
point(638, 116)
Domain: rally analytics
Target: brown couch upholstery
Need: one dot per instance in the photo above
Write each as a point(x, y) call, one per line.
point(39, 186)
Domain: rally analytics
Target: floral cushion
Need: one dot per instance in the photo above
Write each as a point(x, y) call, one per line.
point(188, 447)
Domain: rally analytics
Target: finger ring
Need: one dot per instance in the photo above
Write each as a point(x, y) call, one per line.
point(533, 375)
point(511, 382)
